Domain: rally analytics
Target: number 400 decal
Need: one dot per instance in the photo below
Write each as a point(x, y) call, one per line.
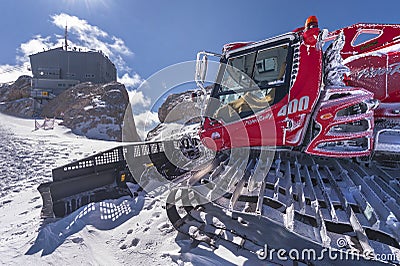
point(294, 106)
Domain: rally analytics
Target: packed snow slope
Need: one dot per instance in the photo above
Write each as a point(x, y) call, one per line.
point(126, 231)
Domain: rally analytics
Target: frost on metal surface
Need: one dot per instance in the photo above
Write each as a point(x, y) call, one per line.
point(334, 69)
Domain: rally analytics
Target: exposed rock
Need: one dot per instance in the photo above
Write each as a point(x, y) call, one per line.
point(177, 108)
point(14, 98)
point(152, 134)
point(180, 107)
point(93, 110)
point(15, 90)
point(21, 107)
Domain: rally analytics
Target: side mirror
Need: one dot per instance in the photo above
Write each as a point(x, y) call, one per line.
point(200, 77)
point(201, 68)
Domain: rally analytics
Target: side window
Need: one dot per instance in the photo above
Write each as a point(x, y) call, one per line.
point(365, 36)
point(267, 64)
point(270, 66)
point(244, 63)
point(238, 72)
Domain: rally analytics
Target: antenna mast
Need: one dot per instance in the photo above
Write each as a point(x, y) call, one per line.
point(66, 37)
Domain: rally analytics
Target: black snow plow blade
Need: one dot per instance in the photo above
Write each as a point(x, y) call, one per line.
point(102, 176)
point(95, 178)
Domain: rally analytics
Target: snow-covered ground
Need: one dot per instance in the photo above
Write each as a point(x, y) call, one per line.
point(127, 231)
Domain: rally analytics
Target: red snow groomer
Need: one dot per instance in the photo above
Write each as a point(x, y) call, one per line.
point(284, 92)
point(306, 141)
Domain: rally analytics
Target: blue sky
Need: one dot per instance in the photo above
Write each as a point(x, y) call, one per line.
point(161, 33)
point(143, 37)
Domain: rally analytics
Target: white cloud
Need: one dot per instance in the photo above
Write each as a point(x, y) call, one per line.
point(10, 73)
point(81, 34)
point(92, 36)
point(78, 25)
point(37, 44)
point(144, 122)
point(138, 101)
point(130, 81)
point(119, 46)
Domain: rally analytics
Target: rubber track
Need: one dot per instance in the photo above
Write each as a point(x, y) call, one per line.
point(302, 202)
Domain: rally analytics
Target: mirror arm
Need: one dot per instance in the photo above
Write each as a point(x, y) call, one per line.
point(201, 72)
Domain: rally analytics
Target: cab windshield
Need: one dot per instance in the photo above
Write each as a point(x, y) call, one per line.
point(252, 82)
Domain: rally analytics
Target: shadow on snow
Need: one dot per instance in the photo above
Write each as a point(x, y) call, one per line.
point(103, 215)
